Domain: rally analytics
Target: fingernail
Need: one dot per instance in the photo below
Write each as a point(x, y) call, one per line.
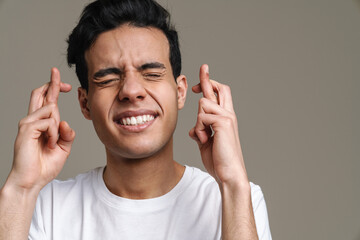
point(207, 69)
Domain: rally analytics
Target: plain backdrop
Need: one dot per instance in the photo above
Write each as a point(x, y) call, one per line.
point(293, 67)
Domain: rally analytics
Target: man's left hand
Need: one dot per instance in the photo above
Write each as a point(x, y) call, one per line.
point(216, 132)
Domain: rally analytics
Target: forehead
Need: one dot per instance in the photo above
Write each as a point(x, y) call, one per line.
point(128, 45)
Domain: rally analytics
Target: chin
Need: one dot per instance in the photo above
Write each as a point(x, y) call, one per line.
point(138, 151)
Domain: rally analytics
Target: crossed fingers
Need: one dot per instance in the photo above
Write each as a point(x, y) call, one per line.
point(43, 112)
point(212, 90)
point(48, 93)
point(214, 107)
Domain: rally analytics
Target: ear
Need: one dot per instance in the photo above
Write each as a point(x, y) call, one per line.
point(181, 90)
point(83, 101)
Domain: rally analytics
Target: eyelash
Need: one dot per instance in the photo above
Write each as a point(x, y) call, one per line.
point(152, 75)
point(106, 82)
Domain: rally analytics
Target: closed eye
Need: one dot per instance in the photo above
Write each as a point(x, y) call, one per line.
point(153, 76)
point(106, 82)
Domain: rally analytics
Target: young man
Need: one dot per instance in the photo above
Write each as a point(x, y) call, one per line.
point(128, 62)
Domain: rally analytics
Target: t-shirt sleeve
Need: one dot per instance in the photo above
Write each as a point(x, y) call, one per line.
point(37, 227)
point(260, 213)
point(36, 231)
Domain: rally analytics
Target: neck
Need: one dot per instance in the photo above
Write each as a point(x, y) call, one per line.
point(142, 178)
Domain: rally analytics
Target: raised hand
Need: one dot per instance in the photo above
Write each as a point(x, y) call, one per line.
point(43, 142)
point(216, 131)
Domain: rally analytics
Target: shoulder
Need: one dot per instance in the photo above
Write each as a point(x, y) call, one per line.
point(202, 188)
point(72, 186)
point(257, 196)
point(260, 212)
point(201, 179)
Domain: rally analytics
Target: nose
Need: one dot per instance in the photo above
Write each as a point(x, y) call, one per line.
point(132, 89)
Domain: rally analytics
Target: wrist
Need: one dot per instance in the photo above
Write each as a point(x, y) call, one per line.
point(236, 187)
point(16, 209)
point(14, 187)
point(12, 191)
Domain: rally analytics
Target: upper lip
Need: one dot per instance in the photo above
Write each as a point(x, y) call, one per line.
point(134, 113)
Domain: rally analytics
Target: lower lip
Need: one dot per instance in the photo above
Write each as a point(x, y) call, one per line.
point(136, 128)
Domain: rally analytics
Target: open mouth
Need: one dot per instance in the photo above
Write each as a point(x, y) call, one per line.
point(135, 120)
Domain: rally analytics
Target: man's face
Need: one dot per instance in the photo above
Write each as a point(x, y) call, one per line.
point(133, 98)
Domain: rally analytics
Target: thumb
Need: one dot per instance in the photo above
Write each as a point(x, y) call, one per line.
point(193, 135)
point(67, 136)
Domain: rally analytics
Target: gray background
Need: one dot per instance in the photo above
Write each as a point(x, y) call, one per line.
point(293, 67)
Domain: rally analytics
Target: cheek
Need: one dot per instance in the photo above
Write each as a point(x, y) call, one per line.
point(169, 105)
point(166, 95)
point(100, 104)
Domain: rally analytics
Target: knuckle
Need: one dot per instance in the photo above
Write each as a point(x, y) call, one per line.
point(228, 121)
point(202, 101)
point(227, 88)
point(34, 92)
point(22, 127)
point(52, 121)
point(197, 131)
point(21, 123)
point(233, 117)
point(52, 106)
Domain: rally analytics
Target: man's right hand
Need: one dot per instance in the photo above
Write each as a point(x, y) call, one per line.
point(43, 142)
point(41, 148)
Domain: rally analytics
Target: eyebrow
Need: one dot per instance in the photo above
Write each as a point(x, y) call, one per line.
point(106, 71)
point(151, 65)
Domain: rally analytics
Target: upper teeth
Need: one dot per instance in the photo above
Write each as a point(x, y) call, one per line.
point(136, 120)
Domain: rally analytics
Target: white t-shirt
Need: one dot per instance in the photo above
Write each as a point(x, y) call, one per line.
point(83, 208)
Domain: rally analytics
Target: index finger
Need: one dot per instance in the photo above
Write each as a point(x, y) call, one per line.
point(205, 83)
